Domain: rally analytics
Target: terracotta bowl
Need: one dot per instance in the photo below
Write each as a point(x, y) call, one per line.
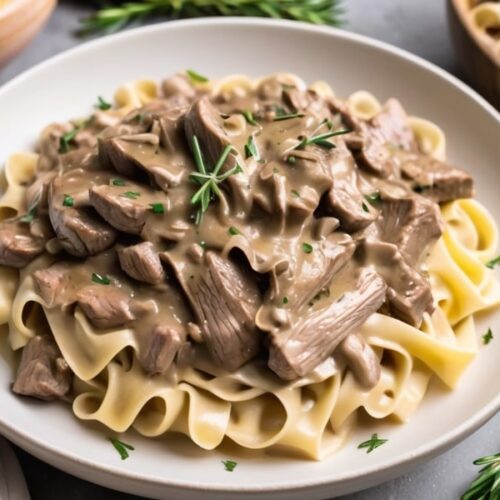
point(475, 30)
point(20, 21)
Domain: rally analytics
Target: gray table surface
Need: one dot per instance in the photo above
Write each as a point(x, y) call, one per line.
point(417, 26)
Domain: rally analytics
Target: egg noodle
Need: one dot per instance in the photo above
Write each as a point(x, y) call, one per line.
point(312, 415)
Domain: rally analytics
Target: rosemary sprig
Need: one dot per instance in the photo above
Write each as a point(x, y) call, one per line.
point(372, 443)
point(109, 19)
point(321, 139)
point(209, 180)
point(121, 447)
point(487, 484)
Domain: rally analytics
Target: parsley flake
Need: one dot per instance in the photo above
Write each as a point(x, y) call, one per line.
point(233, 231)
point(68, 200)
point(117, 182)
point(373, 198)
point(133, 195)
point(195, 77)
point(102, 104)
point(492, 263)
point(307, 247)
point(488, 337)
point(229, 465)
point(157, 208)
point(67, 138)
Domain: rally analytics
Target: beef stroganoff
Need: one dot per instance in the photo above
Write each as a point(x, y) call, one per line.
point(255, 260)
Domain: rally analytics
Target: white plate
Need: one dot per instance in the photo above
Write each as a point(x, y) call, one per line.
point(67, 85)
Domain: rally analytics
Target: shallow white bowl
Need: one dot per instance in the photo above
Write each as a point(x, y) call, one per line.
point(67, 86)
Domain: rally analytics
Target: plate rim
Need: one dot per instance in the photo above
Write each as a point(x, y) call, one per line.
point(55, 455)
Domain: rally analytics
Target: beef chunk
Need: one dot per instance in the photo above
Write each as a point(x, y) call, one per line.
point(413, 224)
point(298, 350)
point(204, 121)
point(127, 214)
point(385, 133)
point(43, 373)
point(105, 307)
point(49, 283)
point(409, 294)
point(128, 153)
point(435, 179)
point(162, 346)
point(361, 359)
point(225, 300)
point(18, 247)
point(140, 156)
point(37, 194)
point(314, 272)
point(80, 231)
point(142, 263)
point(345, 202)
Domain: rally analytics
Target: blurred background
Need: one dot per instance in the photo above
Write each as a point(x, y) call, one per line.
point(460, 36)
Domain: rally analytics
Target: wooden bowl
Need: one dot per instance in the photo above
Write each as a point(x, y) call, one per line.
point(20, 21)
point(475, 30)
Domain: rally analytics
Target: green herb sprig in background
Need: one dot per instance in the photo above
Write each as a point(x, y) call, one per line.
point(487, 485)
point(112, 18)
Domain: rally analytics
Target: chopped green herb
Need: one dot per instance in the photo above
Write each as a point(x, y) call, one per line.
point(291, 159)
point(229, 465)
point(208, 180)
point(121, 447)
point(27, 218)
point(203, 244)
point(249, 117)
point(372, 443)
point(157, 208)
point(321, 139)
point(307, 248)
point(365, 207)
point(233, 231)
point(66, 139)
point(487, 484)
point(295, 194)
point(68, 200)
point(488, 337)
point(494, 262)
point(328, 123)
point(196, 77)
point(117, 182)
point(102, 104)
point(133, 195)
point(100, 279)
point(288, 116)
point(324, 293)
point(251, 148)
point(139, 117)
point(280, 111)
point(285, 300)
point(373, 198)
point(420, 188)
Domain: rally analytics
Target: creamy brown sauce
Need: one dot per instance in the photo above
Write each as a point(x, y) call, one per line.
point(296, 227)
